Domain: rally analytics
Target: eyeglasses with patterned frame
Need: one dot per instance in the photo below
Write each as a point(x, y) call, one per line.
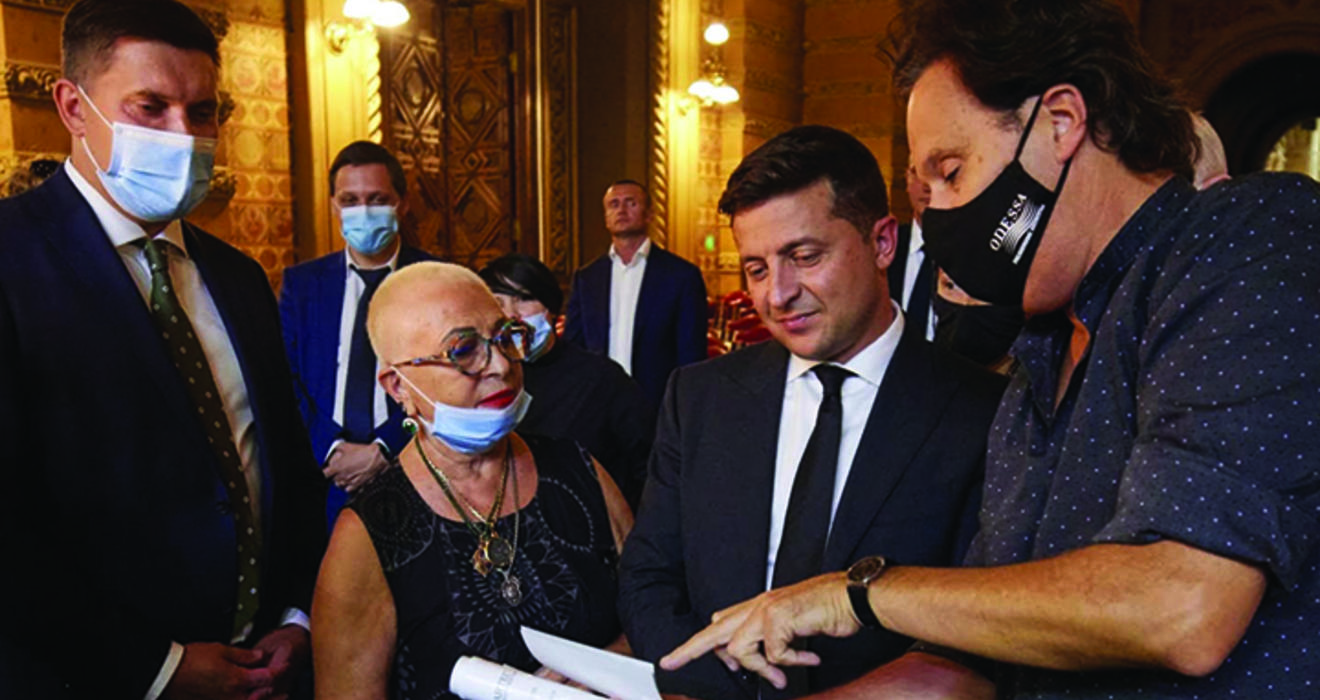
point(461, 347)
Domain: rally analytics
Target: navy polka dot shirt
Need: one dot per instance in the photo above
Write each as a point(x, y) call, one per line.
point(1193, 417)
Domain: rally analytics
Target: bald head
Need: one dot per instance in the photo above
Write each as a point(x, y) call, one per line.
point(416, 306)
point(1212, 165)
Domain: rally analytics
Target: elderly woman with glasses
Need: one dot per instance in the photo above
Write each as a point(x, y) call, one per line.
point(479, 530)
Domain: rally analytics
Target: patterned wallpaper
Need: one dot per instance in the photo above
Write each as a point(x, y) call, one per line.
point(254, 141)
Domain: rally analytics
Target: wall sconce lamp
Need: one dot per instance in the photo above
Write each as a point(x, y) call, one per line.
point(362, 17)
point(710, 89)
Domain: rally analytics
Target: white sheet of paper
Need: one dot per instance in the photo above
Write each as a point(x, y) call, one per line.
point(603, 671)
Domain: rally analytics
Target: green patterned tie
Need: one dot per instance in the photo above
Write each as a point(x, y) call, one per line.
point(186, 351)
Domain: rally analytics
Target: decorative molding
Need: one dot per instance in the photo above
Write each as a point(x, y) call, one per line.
point(760, 34)
point(659, 153)
point(847, 87)
point(223, 187)
point(217, 20)
point(17, 174)
point(766, 127)
point(226, 108)
point(560, 218)
point(59, 6)
point(30, 81)
point(866, 43)
point(775, 83)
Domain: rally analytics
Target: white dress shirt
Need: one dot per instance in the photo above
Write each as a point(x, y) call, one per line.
point(353, 289)
point(916, 255)
point(802, 396)
point(196, 301)
point(625, 288)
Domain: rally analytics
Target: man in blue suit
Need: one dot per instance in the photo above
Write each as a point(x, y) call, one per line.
point(639, 305)
point(159, 478)
point(354, 426)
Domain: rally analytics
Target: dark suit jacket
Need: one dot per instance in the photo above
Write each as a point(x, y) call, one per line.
point(117, 532)
point(670, 330)
point(311, 301)
point(701, 538)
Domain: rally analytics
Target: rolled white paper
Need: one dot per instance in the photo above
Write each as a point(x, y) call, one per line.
point(478, 679)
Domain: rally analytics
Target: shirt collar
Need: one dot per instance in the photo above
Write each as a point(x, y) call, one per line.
point(642, 251)
point(869, 364)
point(392, 263)
point(917, 240)
point(120, 229)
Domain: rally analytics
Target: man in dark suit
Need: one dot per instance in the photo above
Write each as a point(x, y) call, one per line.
point(639, 305)
point(354, 426)
point(844, 438)
point(912, 275)
point(160, 480)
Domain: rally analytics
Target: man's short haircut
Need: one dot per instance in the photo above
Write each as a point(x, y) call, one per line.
point(800, 157)
point(523, 276)
point(1006, 51)
point(646, 196)
point(368, 153)
point(92, 27)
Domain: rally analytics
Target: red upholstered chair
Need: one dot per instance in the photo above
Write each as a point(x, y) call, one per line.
point(751, 336)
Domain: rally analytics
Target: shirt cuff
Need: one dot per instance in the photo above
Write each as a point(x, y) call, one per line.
point(167, 669)
point(294, 616)
point(384, 449)
point(333, 446)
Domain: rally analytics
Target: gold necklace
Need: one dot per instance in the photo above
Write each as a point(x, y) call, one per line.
point(493, 552)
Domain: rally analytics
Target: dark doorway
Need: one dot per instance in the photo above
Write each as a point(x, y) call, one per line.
point(1260, 102)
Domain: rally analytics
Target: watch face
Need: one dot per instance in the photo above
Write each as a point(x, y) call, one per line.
point(866, 569)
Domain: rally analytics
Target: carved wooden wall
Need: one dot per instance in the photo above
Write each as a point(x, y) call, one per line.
point(449, 99)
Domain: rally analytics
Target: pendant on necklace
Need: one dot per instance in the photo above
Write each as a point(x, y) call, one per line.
point(511, 589)
point(498, 551)
point(480, 561)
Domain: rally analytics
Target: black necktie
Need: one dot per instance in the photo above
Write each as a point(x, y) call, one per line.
point(918, 308)
point(807, 521)
point(360, 387)
point(186, 352)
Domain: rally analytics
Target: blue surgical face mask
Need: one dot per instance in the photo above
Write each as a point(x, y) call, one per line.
point(369, 229)
point(541, 340)
point(154, 175)
point(472, 430)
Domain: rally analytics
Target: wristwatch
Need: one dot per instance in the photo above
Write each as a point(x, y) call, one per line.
point(860, 576)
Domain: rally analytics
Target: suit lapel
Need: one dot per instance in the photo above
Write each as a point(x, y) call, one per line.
point(329, 307)
point(907, 408)
point(652, 279)
point(230, 298)
point(598, 324)
point(94, 265)
point(752, 440)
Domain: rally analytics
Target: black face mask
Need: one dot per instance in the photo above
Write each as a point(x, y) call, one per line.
point(982, 334)
point(987, 244)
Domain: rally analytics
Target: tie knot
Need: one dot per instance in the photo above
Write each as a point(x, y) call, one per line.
point(831, 378)
point(156, 254)
point(373, 277)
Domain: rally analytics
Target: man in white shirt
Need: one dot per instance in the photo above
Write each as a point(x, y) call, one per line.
point(159, 476)
point(845, 437)
point(354, 427)
point(638, 304)
point(912, 276)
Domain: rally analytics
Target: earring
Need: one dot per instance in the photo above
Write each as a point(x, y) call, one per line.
point(410, 426)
